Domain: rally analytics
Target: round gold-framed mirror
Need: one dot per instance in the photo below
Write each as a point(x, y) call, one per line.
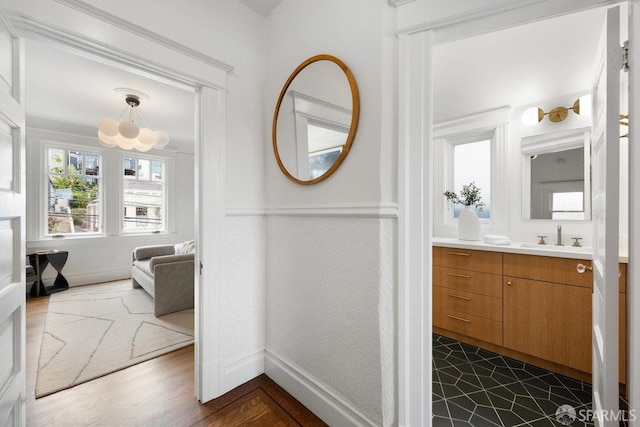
point(315, 119)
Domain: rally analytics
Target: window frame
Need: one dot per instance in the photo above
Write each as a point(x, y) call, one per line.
point(45, 172)
point(166, 224)
point(110, 185)
point(492, 126)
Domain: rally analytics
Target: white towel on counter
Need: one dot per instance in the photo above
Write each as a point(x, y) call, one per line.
point(497, 239)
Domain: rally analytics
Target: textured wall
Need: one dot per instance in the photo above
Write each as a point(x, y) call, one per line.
point(331, 304)
point(243, 287)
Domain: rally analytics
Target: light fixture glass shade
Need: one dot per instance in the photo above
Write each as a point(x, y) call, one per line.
point(531, 116)
point(127, 134)
point(126, 143)
point(147, 137)
point(585, 105)
point(108, 127)
point(163, 138)
point(143, 148)
point(107, 141)
point(128, 129)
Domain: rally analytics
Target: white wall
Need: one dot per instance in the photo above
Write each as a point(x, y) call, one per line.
point(330, 247)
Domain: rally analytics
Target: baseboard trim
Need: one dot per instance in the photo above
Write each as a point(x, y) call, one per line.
point(243, 369)
point(96, 277)
point(322, 401)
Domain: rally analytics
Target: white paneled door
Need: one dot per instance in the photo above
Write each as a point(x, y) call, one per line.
point(605, 148)
point(12, 228)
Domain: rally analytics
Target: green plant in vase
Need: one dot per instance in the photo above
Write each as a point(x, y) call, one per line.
point(469, 196)
point(468, 223)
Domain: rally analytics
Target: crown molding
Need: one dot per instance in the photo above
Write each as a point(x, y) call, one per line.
point(94, 49)
point(116, 21)
point(461, 18)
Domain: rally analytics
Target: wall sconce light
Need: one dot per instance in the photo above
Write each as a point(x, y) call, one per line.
point(534, 115)
point(126, 134)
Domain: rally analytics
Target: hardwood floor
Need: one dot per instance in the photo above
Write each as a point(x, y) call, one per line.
point(158, 392)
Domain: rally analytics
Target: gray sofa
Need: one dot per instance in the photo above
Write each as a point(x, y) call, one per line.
point(166, 272)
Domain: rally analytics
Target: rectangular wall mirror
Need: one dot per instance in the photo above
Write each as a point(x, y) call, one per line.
point(556, 178)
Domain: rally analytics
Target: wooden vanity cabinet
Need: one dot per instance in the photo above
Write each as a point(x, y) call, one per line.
point(533, 308)
point(467, 293)
point(550, 316)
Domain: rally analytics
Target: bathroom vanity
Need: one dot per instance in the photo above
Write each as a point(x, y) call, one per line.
point(529, 303)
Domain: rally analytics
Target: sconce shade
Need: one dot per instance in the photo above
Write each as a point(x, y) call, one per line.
point(532, 115)
point(584, 105)
point(127, 134)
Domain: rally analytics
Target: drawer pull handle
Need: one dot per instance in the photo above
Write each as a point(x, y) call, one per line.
point(459, 318)
point(464, 276)
point(458, 254)
point(581, 268)
point(460, 297)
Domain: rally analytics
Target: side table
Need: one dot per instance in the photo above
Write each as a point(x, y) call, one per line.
point(40, 260)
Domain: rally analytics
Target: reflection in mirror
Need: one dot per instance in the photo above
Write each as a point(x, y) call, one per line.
point(315, 119)
point(556, 176)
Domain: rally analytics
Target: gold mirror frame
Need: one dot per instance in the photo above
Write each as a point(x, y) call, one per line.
point(355, 115)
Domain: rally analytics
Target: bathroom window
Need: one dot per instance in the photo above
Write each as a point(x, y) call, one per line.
point(471, 149)
point(472, 163)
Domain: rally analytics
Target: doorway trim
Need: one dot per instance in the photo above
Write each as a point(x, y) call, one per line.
point(415, 176)
point(209, 120)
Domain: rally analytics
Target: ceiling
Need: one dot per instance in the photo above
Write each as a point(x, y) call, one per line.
point(512, 67)
point(74, 92)
point(517, 66)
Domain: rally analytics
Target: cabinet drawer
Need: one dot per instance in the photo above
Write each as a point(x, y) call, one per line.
point(552, 269)
point(465, 259)
point(472, 326)
point(465, 302)
point(468, 281)
point(547, 269)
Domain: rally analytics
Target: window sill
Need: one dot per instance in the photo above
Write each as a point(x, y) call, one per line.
point(100, 239)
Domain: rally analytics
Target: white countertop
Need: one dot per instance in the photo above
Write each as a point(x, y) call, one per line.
point(523, 248)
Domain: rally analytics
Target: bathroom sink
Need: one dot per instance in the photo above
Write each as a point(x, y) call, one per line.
point(548, 247)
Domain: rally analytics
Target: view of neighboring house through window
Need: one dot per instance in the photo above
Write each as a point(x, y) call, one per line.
point(144, 195)
point(73, 192)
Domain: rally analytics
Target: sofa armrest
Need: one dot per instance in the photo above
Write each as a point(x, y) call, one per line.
point(166, 259)
point(146, 252)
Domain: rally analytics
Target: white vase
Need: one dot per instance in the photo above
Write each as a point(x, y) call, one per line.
point(468, 224)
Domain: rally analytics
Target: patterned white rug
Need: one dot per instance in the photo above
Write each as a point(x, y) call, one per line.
point(95, 330)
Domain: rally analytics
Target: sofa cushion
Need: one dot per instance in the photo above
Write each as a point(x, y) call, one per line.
point(144, 266)
point(169, 259)
point(145, 252)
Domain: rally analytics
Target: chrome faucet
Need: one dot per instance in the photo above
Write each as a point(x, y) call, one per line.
point(559, 239)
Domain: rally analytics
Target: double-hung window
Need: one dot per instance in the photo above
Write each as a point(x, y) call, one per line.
point(74, 201)
point(144, 198)
point(465, 151)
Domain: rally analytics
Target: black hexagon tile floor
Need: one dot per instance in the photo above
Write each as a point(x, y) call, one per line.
point(475, 387)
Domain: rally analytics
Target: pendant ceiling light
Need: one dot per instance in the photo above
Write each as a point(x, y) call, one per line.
point(126, 134)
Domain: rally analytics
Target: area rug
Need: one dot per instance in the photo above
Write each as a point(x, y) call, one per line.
point(94, 330)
